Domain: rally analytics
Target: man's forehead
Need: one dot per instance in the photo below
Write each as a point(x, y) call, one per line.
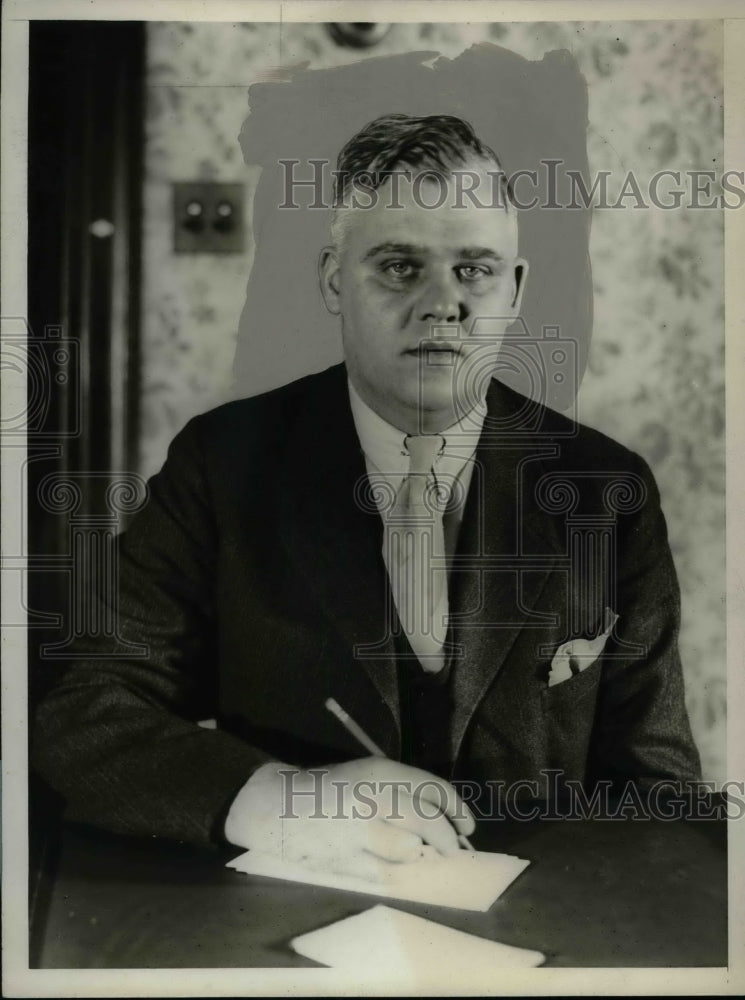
point(421, 224)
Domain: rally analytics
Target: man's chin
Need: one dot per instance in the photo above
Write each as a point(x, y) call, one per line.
point(457, 389)
point(440, 404)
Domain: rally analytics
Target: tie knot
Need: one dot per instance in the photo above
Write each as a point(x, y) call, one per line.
point(423, 450)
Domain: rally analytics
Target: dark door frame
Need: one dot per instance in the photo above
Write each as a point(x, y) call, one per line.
point(85, 155)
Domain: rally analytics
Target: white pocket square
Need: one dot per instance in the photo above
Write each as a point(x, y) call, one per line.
point(576, 655)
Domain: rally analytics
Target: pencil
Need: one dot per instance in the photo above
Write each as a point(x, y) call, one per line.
point(351, 726)
point(361, 736)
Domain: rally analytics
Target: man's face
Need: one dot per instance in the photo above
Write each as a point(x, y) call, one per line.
point(410, 284)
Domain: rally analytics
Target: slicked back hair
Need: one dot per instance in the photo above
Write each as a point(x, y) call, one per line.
point(436, 144)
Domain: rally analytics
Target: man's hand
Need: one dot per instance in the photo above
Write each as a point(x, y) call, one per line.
point(358, 818)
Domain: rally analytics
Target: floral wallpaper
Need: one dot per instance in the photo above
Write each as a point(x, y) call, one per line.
point(655, 376)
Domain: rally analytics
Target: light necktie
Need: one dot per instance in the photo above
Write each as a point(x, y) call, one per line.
point(414, 554)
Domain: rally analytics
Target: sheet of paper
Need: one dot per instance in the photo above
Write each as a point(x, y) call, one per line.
point(403, 945)
point(468, 880)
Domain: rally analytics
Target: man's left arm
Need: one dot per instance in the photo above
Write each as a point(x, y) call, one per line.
point(642, 728)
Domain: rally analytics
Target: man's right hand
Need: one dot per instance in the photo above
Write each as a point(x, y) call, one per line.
point(356, 818)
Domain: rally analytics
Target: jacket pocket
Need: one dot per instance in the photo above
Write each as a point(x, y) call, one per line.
point(574, 689)
point(569, 717)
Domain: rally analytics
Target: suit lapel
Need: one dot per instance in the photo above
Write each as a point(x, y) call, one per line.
point(334, 532)
point(489, 609)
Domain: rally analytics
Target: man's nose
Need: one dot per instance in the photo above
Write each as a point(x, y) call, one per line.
point(443, 301)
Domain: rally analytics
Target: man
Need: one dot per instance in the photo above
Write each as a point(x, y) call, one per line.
point(483, 586)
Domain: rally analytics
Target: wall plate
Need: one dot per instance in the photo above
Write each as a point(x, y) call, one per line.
point(208, 217)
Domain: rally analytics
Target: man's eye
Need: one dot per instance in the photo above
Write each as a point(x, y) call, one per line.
point(470, 272)
point(399, 269)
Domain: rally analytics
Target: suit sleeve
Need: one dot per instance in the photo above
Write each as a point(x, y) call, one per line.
point(118, 735)
point(642, 730)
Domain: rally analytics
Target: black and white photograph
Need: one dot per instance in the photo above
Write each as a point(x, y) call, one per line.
point(372, 604)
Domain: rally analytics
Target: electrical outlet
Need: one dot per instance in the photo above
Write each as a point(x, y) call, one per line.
point(208, 218)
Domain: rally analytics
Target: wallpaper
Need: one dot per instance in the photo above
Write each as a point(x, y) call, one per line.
point(655, 375)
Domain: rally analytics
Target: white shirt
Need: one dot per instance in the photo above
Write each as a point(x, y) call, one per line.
point(387, 459)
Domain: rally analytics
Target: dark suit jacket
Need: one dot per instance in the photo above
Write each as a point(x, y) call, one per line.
point(254, 572)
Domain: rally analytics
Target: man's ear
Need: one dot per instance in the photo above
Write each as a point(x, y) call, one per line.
point(328, 278)
point(521, 274)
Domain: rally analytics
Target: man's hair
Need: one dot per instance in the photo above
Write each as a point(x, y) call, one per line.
point(436, 144)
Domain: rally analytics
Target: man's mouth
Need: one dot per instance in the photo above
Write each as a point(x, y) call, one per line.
point(436, 352)
point(436, 346)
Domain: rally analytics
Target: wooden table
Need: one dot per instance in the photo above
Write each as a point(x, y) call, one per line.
point(599, 893)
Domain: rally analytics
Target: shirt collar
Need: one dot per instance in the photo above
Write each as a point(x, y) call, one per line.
point(384, 448)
